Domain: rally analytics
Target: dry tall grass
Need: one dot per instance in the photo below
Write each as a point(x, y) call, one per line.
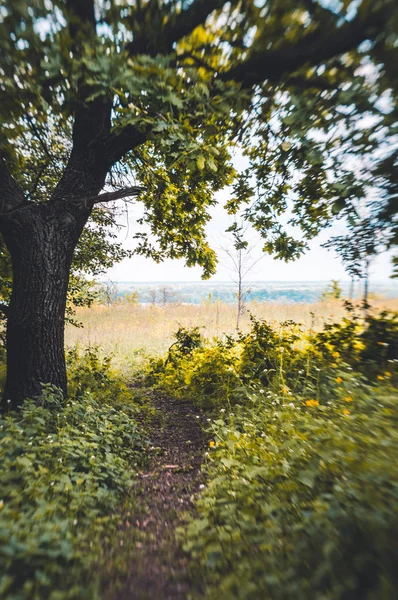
point(123, 329)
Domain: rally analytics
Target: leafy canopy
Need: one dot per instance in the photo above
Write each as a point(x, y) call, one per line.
point(168, 93)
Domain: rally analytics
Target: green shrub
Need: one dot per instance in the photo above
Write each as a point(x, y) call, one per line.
point(66, 465)
point(302, 499)
point(264, 348)
point(91, 371)
point(206, 375)
point(213, 374)
point(380, 344)
point(212, 379)
point(187, 340)
point(170, 374)
point(283, 357)
point(370, 345)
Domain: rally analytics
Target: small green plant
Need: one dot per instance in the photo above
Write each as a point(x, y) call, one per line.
point(66, 468)
point(267, 352)
point(205, 374)
point(213, 379)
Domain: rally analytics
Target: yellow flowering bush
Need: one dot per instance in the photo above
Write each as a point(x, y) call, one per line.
point(299, 503)
point(279, 358)
point(302, 496)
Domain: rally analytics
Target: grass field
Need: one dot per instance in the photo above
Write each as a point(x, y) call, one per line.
point(123, 329)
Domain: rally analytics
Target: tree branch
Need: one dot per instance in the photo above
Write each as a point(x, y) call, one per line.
point(88, 163)
point(110, 196)
point(92, 119)
point(39, 174)
point(185, 22)
point(4, 308)
point(179, 25)
point(313, 49)
point(119, 143)
point(39, 137)
point(11, 195)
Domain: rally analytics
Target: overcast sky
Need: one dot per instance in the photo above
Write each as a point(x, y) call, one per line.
point(318, 264)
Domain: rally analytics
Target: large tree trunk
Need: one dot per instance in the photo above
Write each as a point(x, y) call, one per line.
point(41, 240)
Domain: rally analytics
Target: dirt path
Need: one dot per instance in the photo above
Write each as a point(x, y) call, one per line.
point(166, 493)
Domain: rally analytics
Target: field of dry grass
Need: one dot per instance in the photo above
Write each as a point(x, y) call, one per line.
point(125, 329)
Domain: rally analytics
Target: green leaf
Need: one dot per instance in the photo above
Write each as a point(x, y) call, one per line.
point(338, 206)
point(211, 164)
point(160, 126)
point(229, 462)
point(24, 462)
point(200, 161)
point(175, 100)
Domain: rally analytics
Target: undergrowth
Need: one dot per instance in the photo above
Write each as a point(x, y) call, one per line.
point(219, 372)
point(67, 465)
point(302, 487)
point(302, 494)
point(302, 499)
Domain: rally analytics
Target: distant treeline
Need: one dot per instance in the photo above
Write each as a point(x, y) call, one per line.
point(202, 292)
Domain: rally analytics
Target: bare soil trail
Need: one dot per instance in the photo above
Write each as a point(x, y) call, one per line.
point(166, 493)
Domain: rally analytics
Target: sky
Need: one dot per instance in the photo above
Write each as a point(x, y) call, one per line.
point(318, 264)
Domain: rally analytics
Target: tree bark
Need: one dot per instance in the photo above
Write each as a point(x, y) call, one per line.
point(41, 239)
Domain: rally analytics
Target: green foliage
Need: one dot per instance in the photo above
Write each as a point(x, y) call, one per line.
point(91, 371)
point(266, 351)
point(181, 86)
point(302, 498)
point(213, 378)
point(380, 342)
point(333, 291)
point(308, 363)
point(205, 375)
point(81, 292)
point(370, 346)
point(187, 340)
point(283, 358)
point(131, 298)
point(66, 466)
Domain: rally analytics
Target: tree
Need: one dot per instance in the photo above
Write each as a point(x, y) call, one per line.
point(107, 292)
point(152, 295)
point(131, 298)
point(333, 291)
point(356, 249)
point(96, 251)
point(243, 262)
point(167, 295)
point(92, 92)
